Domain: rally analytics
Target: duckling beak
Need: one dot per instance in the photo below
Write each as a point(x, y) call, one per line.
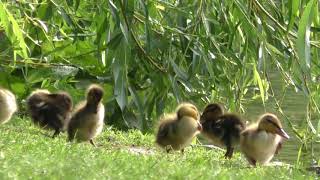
point(282, 133)
point(199, 126)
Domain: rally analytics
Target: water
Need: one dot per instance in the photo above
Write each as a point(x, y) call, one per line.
point(294, 105)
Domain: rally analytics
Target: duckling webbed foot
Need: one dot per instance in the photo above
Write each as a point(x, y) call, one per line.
point(279, 147)
point(56, 133)
point(91, 142)
point(229, 153)
point(227, 140)
point(253, 162)
point(168, 148)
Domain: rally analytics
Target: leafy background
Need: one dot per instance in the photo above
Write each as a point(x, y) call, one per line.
point(150, 55)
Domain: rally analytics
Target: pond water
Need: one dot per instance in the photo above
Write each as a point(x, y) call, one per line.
point(294, 106)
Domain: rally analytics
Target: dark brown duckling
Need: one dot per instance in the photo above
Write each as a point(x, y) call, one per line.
point(88, 117)
point(262, 140)
point(8, 105)
point(177, 130)
point(221, 129)
point(50, 110)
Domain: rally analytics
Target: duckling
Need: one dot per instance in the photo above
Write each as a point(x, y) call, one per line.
point(8, 105)
point(50, 110)
point(88, 117)
point(262, 140)
point(177, 130)
point(221, 129)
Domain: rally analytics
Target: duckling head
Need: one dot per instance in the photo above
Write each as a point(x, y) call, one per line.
point(211, 111)
point(270, 123)
point(94, 94)
point(189, 110)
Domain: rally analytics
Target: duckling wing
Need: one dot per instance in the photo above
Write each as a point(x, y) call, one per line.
point(71, 129)
point(217, 128)
point(74, 124)
point(232, 124)
point(51, 116)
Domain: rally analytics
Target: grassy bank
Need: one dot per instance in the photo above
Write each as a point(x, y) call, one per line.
point(26, 152)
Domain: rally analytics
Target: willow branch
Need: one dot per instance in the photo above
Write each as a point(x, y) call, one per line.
point(162, 69)
point(277, 22)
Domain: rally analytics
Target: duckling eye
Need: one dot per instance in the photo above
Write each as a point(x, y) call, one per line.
point(214, 108)
point(67, 100)
point(194, 108)
point(53, 95)
point(269, 120)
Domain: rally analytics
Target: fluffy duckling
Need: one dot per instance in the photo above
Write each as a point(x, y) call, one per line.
point(260, 141)
point(50, 110)
point(88, 117)
point(8, 105)
point(177, 130)
point(221, 129)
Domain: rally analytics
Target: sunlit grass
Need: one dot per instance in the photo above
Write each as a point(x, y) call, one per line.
point(26, 152)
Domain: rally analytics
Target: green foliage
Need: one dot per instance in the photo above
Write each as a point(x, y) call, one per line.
point(151, 55)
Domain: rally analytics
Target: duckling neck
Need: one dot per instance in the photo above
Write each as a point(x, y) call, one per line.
point(260, 130)
point(92, 107)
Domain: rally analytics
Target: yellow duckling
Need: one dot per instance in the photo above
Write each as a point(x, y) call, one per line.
point(8, 105)
point(50, 110)
point(221, 129)
point(88, 117)
point(177, 130)
point(260, 141)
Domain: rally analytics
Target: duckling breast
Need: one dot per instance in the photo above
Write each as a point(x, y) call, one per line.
point(260, 146)
point(187, 129)
point(8, 105)
point(100, 119)
point(91, 125)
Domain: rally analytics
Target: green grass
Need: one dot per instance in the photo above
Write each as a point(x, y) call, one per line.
point(25, 152)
